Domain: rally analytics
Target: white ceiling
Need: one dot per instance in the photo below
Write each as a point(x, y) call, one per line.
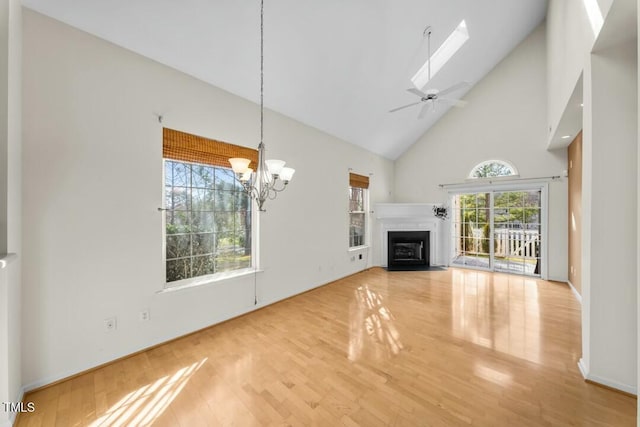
point(336, 65)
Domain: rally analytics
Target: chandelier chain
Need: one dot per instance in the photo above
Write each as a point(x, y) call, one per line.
point(270, 176)
point(429, 51)
point(261, 71)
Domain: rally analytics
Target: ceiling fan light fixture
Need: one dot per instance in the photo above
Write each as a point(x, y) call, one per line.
point(445, 52)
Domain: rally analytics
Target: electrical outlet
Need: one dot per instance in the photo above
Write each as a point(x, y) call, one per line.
point(110, 324)
point(359, 256)
point(353, 258)
point(144, 315)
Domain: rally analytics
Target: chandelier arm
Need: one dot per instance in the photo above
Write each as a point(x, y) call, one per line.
point(278, 190)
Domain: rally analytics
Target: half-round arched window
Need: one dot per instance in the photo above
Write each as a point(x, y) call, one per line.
point(493, 168)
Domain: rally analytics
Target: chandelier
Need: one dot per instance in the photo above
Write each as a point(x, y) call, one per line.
point(270, 176)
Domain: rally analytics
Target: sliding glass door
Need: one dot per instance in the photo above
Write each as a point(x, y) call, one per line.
point(498, 230)
point(471, 225)
point(517, 231)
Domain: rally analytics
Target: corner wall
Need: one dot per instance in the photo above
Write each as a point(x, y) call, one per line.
point(10, 205)
point(610, 174)
point(93, 183)
point(505, 119)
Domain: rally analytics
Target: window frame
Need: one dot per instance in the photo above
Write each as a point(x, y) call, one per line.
point(192, 149)
point(362, 183)
point(205, 278)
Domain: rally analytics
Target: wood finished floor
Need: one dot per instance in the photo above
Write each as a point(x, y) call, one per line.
point(433, 348)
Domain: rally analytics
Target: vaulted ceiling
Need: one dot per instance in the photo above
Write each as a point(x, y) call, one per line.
point(336, 65)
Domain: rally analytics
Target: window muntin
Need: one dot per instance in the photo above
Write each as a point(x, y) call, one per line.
point(207, 221)
point(492, 169)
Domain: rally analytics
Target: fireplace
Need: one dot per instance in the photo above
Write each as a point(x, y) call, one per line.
point(407, 250)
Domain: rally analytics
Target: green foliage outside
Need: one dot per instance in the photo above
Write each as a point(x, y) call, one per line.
point(493, 169)
point(512, 210)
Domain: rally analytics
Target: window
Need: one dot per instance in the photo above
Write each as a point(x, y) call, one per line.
point(358, 188)
point(493, 168)
point(207, 212)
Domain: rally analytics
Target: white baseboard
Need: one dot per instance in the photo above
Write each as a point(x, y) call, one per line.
point(575, 292)
point(606, 382)
point(49, 380)
point(583, 369)
point(614, 384)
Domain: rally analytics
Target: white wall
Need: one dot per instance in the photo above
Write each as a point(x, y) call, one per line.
point(505, 119)
point(610, 171)
point(570, 37)
point(10, 203)
point(92, 186)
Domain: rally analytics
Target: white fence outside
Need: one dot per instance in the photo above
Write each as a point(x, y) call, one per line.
point(509, 242)
point(521, 243)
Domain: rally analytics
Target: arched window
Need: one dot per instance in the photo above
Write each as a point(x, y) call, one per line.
point(493, 168)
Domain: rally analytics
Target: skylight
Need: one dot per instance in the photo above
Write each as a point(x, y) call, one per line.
point(595, 15)
point(451, 45)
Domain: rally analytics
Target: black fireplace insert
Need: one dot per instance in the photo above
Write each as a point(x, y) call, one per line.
point(407, 250)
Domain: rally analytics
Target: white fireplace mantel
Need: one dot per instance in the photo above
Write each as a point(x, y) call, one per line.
point(412, 217)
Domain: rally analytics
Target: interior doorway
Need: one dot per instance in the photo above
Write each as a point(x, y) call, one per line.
point(499, 230)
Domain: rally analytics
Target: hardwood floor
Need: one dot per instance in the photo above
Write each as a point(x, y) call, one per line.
point(439, 348)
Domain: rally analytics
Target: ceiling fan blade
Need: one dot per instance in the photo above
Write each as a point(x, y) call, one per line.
point(453, 88)
point(423, 110)
point(405, 106)
point(417, 92)
point(454, 102)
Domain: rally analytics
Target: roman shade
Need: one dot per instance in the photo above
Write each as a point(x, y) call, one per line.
point(185, 147)
point(359, 181)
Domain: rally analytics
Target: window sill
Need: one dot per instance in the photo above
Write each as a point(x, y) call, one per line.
point(358, 248)
point(207, 280)
point(7, 259)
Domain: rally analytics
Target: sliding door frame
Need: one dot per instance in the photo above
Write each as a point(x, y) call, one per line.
point(492, 188)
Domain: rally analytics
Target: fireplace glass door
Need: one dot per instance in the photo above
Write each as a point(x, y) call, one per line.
point(407, 250)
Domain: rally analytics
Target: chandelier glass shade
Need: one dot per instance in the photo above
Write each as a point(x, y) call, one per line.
point(270, 178)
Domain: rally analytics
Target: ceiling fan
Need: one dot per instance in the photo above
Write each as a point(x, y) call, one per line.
point(431, 96)
point(434, 95)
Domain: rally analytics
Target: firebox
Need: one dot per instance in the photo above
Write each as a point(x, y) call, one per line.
point(407, 250)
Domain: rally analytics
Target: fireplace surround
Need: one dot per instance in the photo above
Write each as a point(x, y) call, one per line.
point(392, 217)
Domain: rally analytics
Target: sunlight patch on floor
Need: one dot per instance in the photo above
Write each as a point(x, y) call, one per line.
point(372, 321)
point(483, 312)
point(143, 406)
